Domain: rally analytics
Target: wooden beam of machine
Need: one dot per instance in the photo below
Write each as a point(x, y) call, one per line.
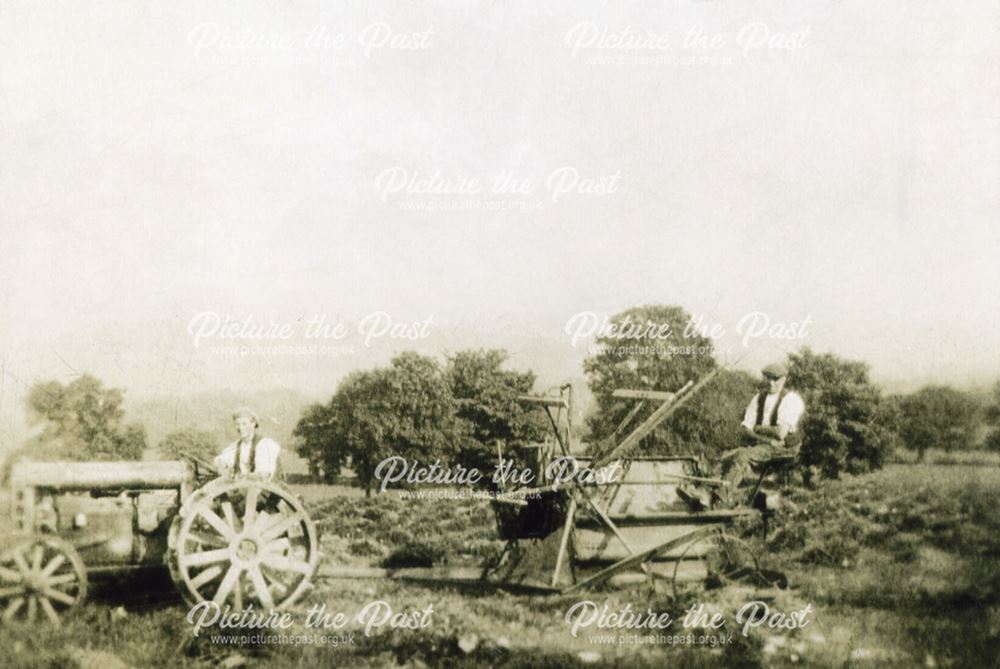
point(543, 401)
point(655, 418)
point(629, 394)
point(645, 427)
point(639, 558)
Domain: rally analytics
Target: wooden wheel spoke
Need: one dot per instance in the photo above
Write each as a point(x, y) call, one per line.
point(282, 526)
point(205, 557)
point(275, 577)
point(208, 539)
point(32, 608)
point(36, 557)
point(204, 577)
point(62, 579)
point(12, 591)
point(277, 546)
point(238, 594)
point(9, 575)
point(59, 596)
point(228, 581)
point(282, 563)
point(22, 565)
point(50, 611)
point(264, 520)
point(229, 514)
point(261, 588)
point(53, 564)
point(13, 608)
point(250, 510)
point(267, 522)
point(217, 523)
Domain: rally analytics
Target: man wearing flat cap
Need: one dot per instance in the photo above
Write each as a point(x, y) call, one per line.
point(769, 429)
point(251, 454)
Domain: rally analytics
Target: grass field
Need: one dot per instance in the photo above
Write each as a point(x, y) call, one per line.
point(899, 567)
point(936, 456)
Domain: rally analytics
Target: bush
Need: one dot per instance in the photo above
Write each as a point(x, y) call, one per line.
point(847, 427)
point(414, 554)
point(188, 441)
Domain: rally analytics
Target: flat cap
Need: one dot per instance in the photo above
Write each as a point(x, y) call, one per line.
point(248, 412)
point(775, 370)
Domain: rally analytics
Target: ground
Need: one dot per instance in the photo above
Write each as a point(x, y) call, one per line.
point(899, 568)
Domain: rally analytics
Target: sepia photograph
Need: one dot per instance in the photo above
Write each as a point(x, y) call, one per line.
point(485, 333)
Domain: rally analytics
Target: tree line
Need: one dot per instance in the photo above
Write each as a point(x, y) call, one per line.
point(460, 410)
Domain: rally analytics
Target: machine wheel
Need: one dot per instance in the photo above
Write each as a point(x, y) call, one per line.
point(41, 576)
point(242, 541)
point(727, 560)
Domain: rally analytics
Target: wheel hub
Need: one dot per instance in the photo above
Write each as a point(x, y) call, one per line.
point(246, 549)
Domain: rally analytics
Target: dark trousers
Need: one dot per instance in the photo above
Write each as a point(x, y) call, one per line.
point(738, 464)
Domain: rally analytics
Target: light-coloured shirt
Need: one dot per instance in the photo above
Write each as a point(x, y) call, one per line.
point(789, 413)
point(265, 459)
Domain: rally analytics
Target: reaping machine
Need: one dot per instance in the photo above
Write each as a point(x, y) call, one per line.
point(622, 522)
point(625, 519)
point(232, 540)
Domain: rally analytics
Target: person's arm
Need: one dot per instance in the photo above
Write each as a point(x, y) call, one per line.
point(749, 417)
point(788, 419)
point(789, 414)
point(756, 435)
point(779, 431)
point(225, 461)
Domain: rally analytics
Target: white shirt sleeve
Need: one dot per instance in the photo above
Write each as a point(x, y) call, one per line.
point(750, 415)
point(791, 410)
point(266, 460)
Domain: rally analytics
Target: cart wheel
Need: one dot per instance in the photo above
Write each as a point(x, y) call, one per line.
point(727, 560)
point(43, 575)
point(242, 541)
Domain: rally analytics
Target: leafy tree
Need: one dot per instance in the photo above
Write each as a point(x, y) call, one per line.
point(709, 424)
point(317, 442)
point(993, 406)
point(847, 426)
point(648, 348)
point(405, 409)
point(82, 420)
point(189, 440)
point(486, 402)
point(938, 417)
point(992, 418)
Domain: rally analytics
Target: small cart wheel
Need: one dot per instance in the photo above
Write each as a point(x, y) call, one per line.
point(727, 559)
point(242, 541)
point(42, 575)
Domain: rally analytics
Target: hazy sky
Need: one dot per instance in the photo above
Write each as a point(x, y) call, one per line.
point(836, 161)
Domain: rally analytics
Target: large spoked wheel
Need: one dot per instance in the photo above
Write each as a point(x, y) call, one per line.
point(243, 541)
point(727, 559)
point(41, 576)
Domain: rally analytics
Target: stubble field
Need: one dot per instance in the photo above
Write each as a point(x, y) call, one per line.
point(900, 569)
